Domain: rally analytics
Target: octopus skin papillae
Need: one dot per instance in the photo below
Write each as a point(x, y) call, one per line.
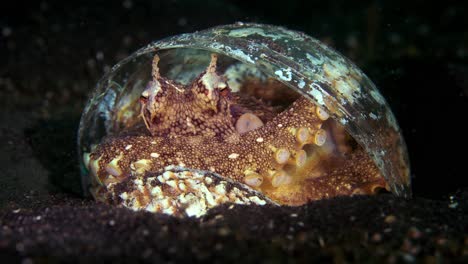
point(291, 156)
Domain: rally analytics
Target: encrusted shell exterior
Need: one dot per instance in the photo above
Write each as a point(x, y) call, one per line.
point(168, 192)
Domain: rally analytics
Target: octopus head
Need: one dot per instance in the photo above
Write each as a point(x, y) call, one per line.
point(171, 109)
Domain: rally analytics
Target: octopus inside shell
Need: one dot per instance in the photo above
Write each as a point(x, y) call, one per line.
point(205, 143)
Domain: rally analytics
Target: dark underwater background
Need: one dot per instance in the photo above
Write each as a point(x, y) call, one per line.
point(53, 52)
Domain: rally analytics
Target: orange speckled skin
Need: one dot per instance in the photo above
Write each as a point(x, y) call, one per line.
point(195, 127)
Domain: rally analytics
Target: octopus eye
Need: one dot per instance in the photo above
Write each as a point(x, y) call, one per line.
point(143, 100)
point(224, 92)
point(284, 120)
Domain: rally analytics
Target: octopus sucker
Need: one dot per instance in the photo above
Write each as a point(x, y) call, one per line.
point(282, 155)
point(280, 178)
point(322, 114)
point(303, 135)
point(288, 156)
point(248, 122)
point(253, 179)
point(298, 158)
point(320, 137)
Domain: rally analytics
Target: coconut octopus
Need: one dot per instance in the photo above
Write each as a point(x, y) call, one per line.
point(203, 145)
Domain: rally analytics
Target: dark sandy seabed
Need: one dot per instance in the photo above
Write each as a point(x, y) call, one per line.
point(358, 229)
point(51, 59)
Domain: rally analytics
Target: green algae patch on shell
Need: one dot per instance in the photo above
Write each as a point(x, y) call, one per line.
point(334, 85)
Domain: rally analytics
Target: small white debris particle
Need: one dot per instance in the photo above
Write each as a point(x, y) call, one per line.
point(217, 217)
point(301, 84)
point(153, 142)
point(293, 215)
point(257, 200)
point(127, 4)
point(167, 175)
point(316, 93)
point(220, 189)
point(239, 53)
point(138, 182)
point(173, 184)
point(285, 76)
point(321, 241)
point(271, 224)
point(6, 31)
point(260, 139)
point(280, 125)
point(112, 222)
point(154, 155)
point(128, 147)
point(208, 180)
point(19, 247)
point(233, 156)
point(373, 116)
point(182, 186)
point(156, 191)
point(124, 195)
point(99, 55)
point(182, 21)
point(222, 85)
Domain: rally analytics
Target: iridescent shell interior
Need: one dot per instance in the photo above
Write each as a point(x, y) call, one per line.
point(302, 122)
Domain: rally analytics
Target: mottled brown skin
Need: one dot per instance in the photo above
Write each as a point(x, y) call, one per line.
point(171, 110)
point(194, 127)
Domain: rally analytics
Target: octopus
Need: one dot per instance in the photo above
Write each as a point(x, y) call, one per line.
point(203, 144)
